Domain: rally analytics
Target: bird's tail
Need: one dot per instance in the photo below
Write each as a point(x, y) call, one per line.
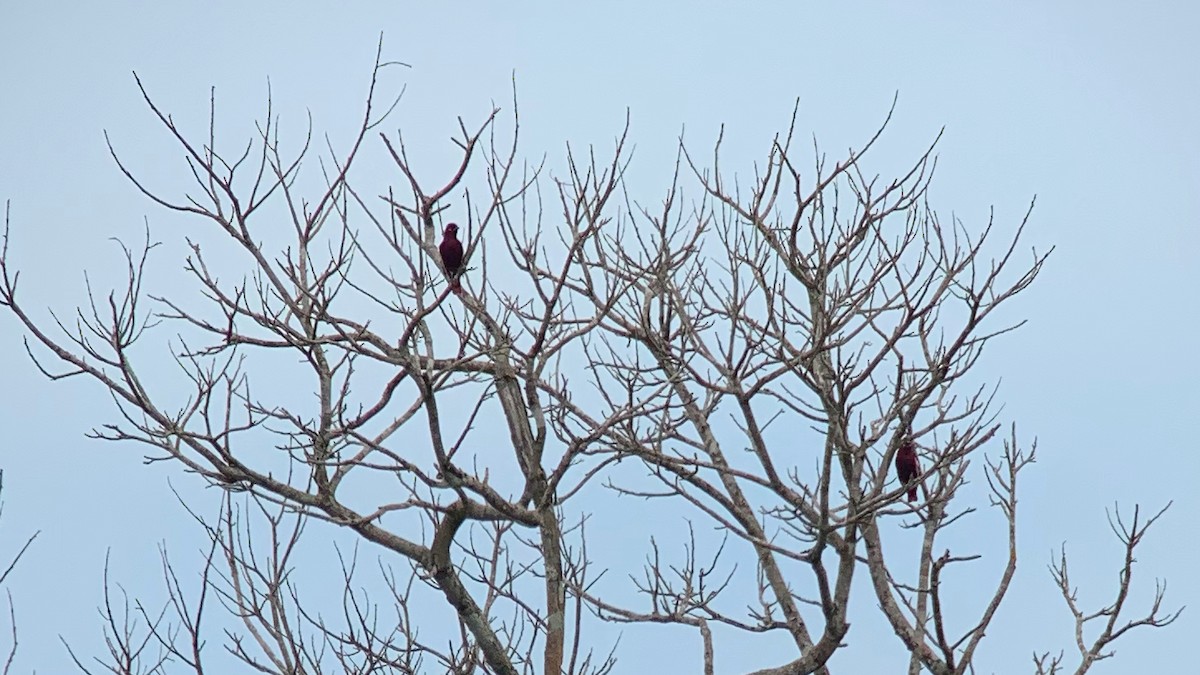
point(912, 493)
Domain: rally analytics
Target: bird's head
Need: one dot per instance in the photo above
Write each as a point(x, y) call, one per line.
point(451, 230)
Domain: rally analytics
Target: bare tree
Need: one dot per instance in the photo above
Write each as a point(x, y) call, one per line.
point(756, 352)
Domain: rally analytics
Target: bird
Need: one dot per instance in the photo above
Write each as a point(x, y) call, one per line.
point(452, 256)
point(907, 468)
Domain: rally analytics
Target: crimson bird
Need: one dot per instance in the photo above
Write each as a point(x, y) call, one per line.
point(452, 255)
point(907, 468)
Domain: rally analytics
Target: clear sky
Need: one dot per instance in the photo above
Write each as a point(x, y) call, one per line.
point(1091, 106)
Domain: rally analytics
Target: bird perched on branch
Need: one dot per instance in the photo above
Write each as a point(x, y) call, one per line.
point(907, 468)
point(452, 256)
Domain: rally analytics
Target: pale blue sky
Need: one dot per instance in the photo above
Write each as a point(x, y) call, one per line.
point(1091, 106)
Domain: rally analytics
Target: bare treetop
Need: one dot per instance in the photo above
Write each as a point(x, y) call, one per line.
point(493, 355)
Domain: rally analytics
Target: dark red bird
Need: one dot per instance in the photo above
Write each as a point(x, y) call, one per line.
point(452, 255)
point(907, 468)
